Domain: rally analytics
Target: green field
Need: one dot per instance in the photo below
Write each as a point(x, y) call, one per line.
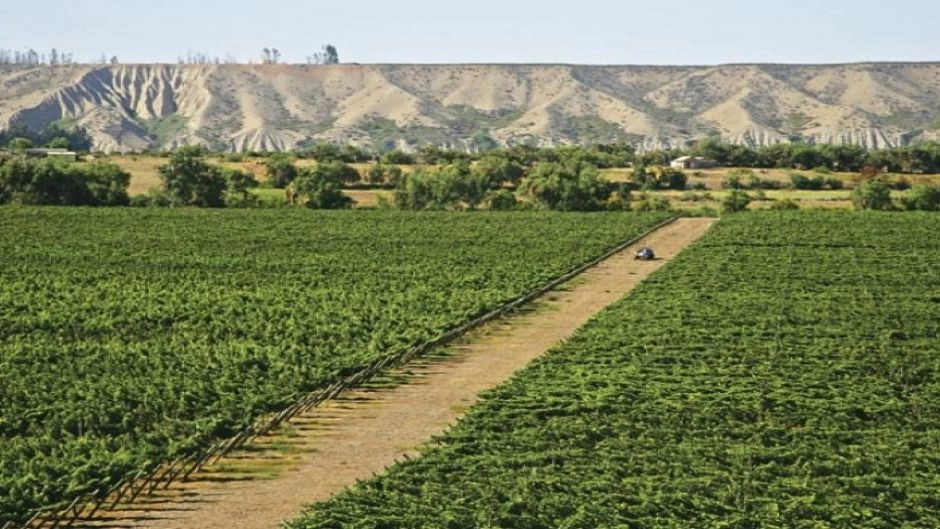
point(782, 373)
point(131, 336)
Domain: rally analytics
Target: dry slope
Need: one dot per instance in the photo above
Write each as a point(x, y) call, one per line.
point(237, 107)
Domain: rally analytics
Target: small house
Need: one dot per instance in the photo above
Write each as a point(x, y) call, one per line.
point(62, 154)
point(693, 162)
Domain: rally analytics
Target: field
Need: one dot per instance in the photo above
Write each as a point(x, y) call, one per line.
point(130, 336)
point(782, 373)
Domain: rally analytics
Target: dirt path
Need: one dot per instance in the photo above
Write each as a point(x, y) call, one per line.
point(367, 430)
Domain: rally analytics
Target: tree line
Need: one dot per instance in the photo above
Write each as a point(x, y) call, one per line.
point(327, 54)
point(921, 157)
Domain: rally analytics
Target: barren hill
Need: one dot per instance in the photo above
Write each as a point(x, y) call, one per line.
point(238, 107)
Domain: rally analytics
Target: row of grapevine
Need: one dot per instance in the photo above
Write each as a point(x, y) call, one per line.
point(131, 338)
point(782, 373)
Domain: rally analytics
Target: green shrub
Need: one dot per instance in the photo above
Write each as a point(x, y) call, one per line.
point(925, 197)
point(872, 194)
point(736, 200)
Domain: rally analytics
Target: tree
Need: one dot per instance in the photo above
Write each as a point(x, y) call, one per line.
point(382, 173)
point(339, 172)
point(670, 178)
point(52, 182)
point(190, 181)
point(331, 55)
point(317, 188)
point(107, 183)
point(270, 56)
point(326, 55)
point(872, 194)
point(642, 177)
point(499, 170)
point(567, 187)
point(281, 170)
point(59, 143)
point(20, 144)
point(238, 188)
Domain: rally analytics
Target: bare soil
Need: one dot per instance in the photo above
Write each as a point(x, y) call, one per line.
point(366, 430)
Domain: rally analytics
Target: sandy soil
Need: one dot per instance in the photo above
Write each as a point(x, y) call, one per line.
point(366, 430)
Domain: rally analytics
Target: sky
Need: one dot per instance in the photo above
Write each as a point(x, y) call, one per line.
point(662, 32)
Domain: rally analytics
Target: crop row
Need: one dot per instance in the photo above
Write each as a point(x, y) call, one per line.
point(782, 373)
point(128, 337)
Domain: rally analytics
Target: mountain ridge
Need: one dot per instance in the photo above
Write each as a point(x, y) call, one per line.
point(135, 107)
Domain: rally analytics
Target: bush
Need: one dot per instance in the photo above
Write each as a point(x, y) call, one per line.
point(619, 200)
point(501, 200)
point(784, 205)
point(923, 197)
point(670, 178)
point(800, 181)
point(736, 200)
point(397, 157)
point(731, 181)
point(834, 183)
point(650, 202)
point(872, 194)
point(53, 183)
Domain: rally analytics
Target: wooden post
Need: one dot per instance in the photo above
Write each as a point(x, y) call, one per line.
point(57, 517)
point(117, 489)
point(123, 491)
point(97, 506)
point(226, 446)
point(79, 505)
point(208, 453)
point(135, 493)
point(32, 520)
point(179, 471)
point(156, 481)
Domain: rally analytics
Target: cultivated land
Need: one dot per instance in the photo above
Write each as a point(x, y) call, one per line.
point(346, 440)
point(133, 336)
point(783, 372)
point(280, 107)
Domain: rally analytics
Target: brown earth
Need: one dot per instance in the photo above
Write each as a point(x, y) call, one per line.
point(366, 430)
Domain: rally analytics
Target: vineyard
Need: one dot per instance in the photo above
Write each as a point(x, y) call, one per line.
point(128, 337)
point(782, 373)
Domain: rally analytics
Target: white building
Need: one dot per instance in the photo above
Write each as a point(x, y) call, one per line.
point(693, 162)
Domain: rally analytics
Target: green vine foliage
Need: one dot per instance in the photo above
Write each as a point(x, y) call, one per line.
point(133, 336)
point(782, 373)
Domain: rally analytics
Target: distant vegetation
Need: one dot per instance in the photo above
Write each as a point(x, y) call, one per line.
point(327, 54)
point(567, 178)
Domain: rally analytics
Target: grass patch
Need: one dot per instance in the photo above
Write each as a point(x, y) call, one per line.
point(165, 128)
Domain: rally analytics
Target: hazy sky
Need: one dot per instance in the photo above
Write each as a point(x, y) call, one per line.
point(427, 31)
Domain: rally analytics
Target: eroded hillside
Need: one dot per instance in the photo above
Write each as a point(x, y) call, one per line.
point(238, 107)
